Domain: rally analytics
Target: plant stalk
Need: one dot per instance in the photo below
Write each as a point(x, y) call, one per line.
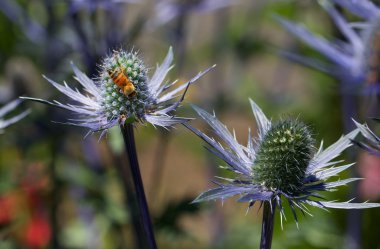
point(130, 146)
point(131, 202)
point(267, 225)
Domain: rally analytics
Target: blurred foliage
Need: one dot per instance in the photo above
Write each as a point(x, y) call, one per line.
point(73, 197)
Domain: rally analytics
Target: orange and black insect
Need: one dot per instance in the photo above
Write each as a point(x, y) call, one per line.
point(119, 77)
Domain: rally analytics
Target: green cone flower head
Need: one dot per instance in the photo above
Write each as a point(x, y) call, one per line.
point(279, 164)
point(128, 69)
point(283, 156)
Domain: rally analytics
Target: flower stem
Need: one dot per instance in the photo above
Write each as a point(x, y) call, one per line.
point(129, 141)
point(131, 202)
point(267, 225)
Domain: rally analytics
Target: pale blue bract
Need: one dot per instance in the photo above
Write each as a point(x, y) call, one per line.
point(7, 109)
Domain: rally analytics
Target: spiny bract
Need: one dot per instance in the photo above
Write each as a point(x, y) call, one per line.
point(353, 58)
point(9, 108)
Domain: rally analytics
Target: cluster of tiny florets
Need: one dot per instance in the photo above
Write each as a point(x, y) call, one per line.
point(115, 102)
point(283, 156)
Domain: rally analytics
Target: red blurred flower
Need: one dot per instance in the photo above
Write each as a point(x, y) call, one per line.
point(369, 169)
point(37, 232)
point(8, 203)
point(25, 207)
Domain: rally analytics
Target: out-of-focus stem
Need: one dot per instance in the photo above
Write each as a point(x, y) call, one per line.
point(354, 217)
point(130, 147)
point(159, 164)
point(179, 41)
point(267, 225)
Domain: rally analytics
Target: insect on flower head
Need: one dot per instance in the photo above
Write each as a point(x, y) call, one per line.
point(123, 92)
point(124, 86)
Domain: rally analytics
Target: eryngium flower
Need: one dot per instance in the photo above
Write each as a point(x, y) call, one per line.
point(355, 60)
point(372, 144)
point(123, 92)
point(281, 163)
point(8, 108)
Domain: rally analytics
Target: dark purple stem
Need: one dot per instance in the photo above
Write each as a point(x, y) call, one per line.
point(267, 225)
point(354, 217)
point(129, 141)
point(130, 199)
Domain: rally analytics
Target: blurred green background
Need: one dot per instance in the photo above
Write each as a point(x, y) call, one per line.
point(59, 190)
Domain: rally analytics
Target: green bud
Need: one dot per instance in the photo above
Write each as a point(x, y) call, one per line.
point(283, 156)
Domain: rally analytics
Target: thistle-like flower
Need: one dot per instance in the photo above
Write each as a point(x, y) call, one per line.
point(280, 164)
point(372, 145)
point(354, 61)
point(123, 92)
point(8, 108)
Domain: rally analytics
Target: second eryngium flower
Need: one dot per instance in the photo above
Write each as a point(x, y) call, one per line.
point(281, 163)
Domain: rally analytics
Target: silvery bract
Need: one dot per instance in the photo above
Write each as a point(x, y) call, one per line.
point(280, 164)
point(354, 60)
point(372, 144)
point(102, 103)
point(5, 110)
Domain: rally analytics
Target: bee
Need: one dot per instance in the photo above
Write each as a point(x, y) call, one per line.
point(119, 77)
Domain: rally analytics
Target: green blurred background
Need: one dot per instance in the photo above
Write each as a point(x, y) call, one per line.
point(59, 190)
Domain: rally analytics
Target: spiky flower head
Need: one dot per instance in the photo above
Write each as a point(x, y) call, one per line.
point(8, 108)
point(123, 92)
point(280, 164)
point(285, 151)
point(355, 60)
point(127, 66)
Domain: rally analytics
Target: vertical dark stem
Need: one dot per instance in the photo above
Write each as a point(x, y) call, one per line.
point(131, 202)
point(180, 39)
point(129, 141)
point(354, 217)
point(267, 225)
point(350, 110)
